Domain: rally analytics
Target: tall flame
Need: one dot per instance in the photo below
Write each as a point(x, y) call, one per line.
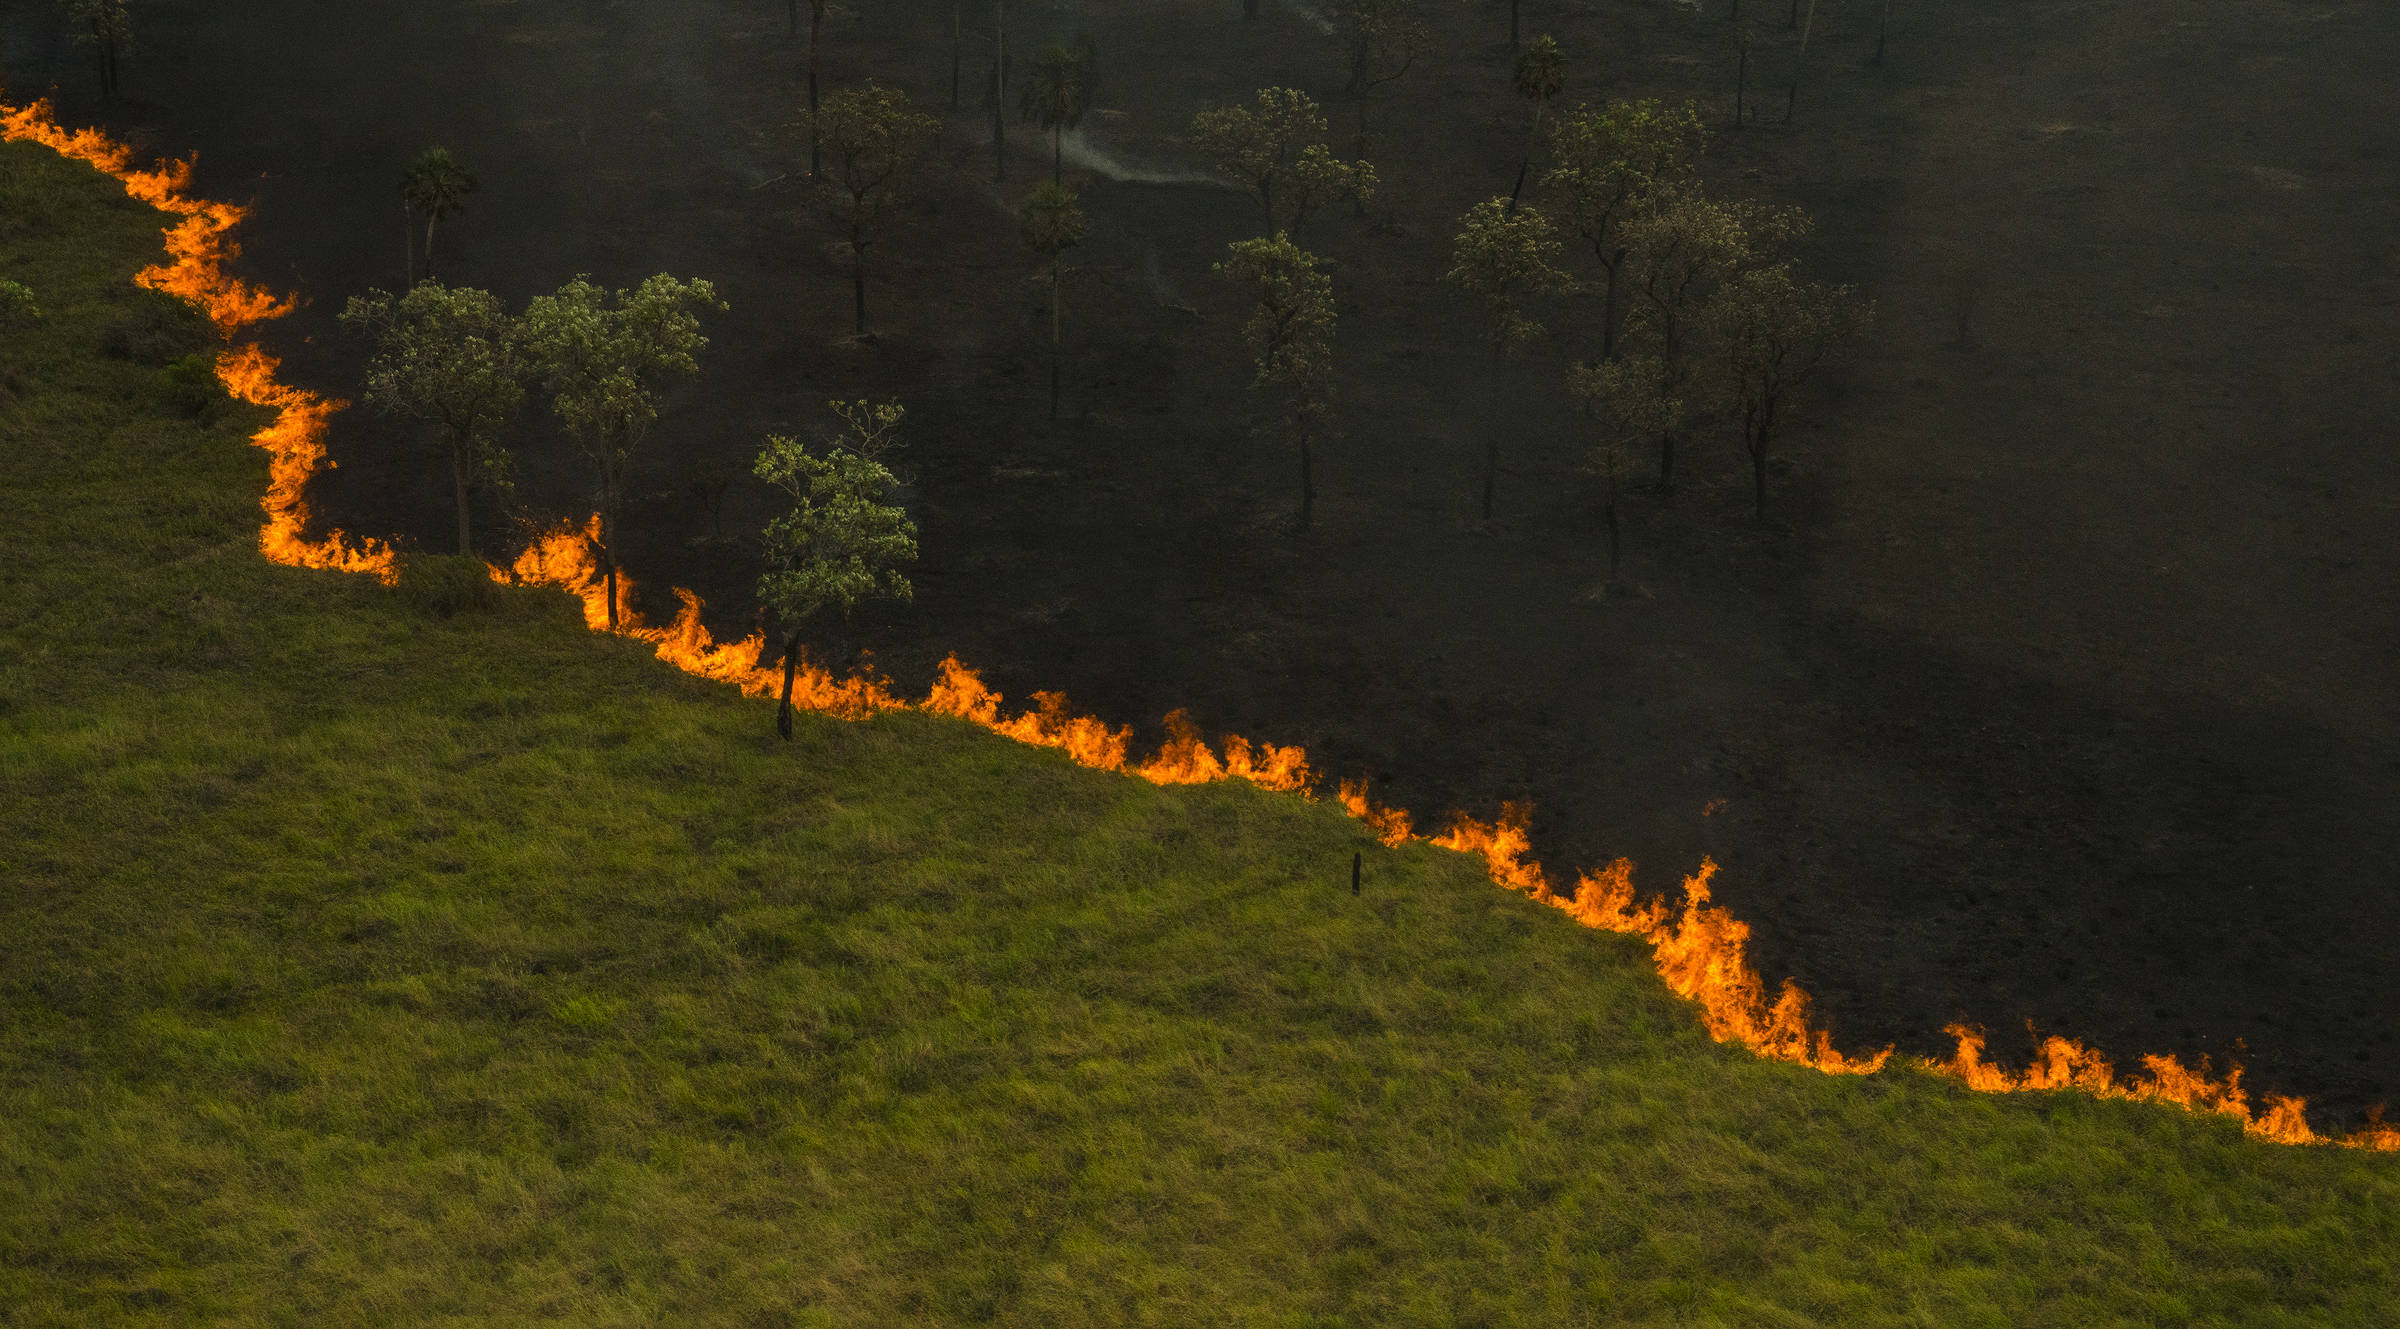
point(1700, 950)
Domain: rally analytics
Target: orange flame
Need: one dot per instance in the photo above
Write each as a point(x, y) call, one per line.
point(1701, 953)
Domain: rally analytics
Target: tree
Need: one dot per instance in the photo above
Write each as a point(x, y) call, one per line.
point(875, 138)
point(601, 353)
point(1505, 257)
point(107, 27)
point(999, 90)
point(455, 358)
point(1608, 161)
point(1277, 152)
point(1771, 332)
point(1061, 91)
point(436, 185)
point(1051, 225)
point(844, 544)
point(1539, 75)
point(17, 302)
point(1381, 41)
point(816, 24)
point(1631, 398)
point(1290, 336)
point(1679, 242)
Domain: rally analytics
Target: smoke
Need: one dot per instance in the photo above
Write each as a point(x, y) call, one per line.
point(1078, 150)
point(1312, 14)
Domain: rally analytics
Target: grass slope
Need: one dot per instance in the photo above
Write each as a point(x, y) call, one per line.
point(363, 966)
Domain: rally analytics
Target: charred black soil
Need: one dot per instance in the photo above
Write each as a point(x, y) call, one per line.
point(2057, 687)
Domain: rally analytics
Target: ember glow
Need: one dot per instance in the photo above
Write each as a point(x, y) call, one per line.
point(1700, 949)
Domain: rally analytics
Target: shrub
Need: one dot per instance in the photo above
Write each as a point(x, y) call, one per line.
point(447, 584)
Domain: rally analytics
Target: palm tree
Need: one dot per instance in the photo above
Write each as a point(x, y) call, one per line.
point(1061, 91)
point(1539, 75)
point(436, 185)
point(1051, 225)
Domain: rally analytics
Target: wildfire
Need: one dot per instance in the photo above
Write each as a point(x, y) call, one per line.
point(1700, 950)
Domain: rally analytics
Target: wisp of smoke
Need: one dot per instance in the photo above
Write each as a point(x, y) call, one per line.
point(1078, 150)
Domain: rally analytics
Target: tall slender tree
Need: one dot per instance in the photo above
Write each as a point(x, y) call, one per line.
point(1539, 75)
point(1050, 225)
point(1290, 336)
point(999, 90)
point(107, 27)
point(436, 186)
point(603, 354)
point(816, 26)
point(875, 138)
point(456, 359)
point(1059, 92)
point(841, 546)
point(1771, 331)
point(1506, 257)
point(1607, 162)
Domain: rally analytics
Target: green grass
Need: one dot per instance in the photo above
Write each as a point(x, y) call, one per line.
point(364, 966)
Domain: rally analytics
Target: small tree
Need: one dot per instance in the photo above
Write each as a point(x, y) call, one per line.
point(454, 358)
point(1059, 93)
point(601, 354)
point(816, 26)
point(1771, 332)
point(875, 137)
point(1381, 41)
point(17, 302)
point(1539, 75)
point(1506, 257)
point(436, 185)
point(1608, 161)
point(107, 27)
point(1290, 336)
point(1276, 151)
point(1051, 225)
point(1631, 399)
point(844, 544)
point(1679, 243)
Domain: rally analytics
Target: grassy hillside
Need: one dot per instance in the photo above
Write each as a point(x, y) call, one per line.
point(368, 966)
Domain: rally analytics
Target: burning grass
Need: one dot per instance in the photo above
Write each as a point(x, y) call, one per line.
point(369, 965)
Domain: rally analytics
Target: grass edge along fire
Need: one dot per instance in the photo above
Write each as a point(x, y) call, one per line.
point(1700, 949)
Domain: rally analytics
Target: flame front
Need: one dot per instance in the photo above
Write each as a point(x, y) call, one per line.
point(1701, 950)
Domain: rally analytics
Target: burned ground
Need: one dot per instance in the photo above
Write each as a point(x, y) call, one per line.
point(2057, 687)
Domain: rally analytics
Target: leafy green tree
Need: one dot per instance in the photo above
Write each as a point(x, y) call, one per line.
point(1606, 162)
point(875, 137)
point(17, 302)
point(1050, 225)
point(1505, 257)
point(1059, 93)
point(602, 355)
point(1290, 336)
point(1677, 245)
point(1276, 150)
point(437, 186)
point(1771, 332)
point(1631, 399)
point(107, 27)
point(455, 358)
point(844, 544)
point(1539, 75)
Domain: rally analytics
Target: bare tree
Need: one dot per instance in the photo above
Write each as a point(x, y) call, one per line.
point(1506, 257)
point(875, 138)
point(455, 358)
point(1290, 337)
point(1050, 225)
point(1771, 332)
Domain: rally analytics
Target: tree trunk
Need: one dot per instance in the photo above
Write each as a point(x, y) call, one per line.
point(1741, 82)
point(608, 566)
point(791, 664)
point(1883, 28)
point(815, 143)
point(1608, 305)
point(1525, 163)
point(1758, 453)
point(1057, 352)
point(431, 221)
point(1266, 201)
point(999, 90)
point(1308, 483)
point(958, 30)
point(1801, 61)
point(408, 237)
point(858, 284)
point(458, 482)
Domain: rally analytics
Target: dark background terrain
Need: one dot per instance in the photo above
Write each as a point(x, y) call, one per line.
point(2059, 685)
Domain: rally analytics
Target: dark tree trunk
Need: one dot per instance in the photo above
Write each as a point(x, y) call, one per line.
point(1525, 163)
point(815, 144)
point(958, 29)
point(1800, 62)
point(1758, 453)
point(858, 285)
point(1608, 306)
point(408, 237)
point(1266, 202)
point(791, 665)
point(608, 569)
point(1741, 83)
point(1794, 21)
point(1883, 28)
point(458, 482)
point(999, 91)
point(430, 223)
